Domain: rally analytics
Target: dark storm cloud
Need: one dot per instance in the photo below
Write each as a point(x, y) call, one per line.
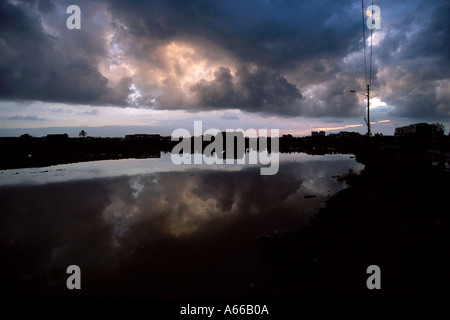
point(266, 42)
point(259, 90)
point(285, 58)
point(61, 68)
point(267, 34)
point(46, 6)
point(415, 62)
point(310, 44)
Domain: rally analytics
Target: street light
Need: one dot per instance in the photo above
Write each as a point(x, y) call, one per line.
point(369, 133)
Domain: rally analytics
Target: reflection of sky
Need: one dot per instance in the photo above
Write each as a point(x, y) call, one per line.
point(161, 224)
point(128, 167)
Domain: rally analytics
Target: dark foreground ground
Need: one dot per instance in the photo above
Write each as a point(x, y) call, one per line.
point(395, 215)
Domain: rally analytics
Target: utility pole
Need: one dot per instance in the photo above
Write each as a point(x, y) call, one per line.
point(368, 79)
point(369, 133)
point(367, 95)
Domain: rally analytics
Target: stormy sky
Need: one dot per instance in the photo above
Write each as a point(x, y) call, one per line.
point(233, 64)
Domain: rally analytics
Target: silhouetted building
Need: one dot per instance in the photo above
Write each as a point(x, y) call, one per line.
point(57, 137)
point(417, 129)
point(143, 136)
point(318, 133)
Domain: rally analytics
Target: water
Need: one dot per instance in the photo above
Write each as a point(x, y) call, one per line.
point(149, 228)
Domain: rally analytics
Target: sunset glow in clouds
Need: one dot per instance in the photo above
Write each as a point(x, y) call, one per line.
point(275, 64)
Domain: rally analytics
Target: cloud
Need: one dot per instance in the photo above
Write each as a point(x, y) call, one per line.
point(256, 89)
point(229, 116)
point(53, 63)
point(27, 118)
point(414, 62)
point(93, 112)
point(282, 58)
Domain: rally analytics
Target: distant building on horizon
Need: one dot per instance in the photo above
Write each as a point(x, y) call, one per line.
point(143, 136)
point(57, 137)
point(317, 133)
point(419, 129)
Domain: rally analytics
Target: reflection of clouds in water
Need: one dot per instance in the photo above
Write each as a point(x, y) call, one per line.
point(156, 229)
point(133, 168)
point(136, 186)
point(121, 210)
point(189, 199)
point(316, 176)
point(119, 213)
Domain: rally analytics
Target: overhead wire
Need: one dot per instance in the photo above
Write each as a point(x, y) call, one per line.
point(364, 40)
point(371, 47)
point(368, 79)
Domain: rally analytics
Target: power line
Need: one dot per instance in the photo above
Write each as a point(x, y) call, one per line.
point(364, 40)
point(368, 81)
point(371, 36)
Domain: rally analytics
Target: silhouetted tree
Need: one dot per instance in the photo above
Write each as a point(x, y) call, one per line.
point(25, 136)
point(83, 133)
point(438, 129)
